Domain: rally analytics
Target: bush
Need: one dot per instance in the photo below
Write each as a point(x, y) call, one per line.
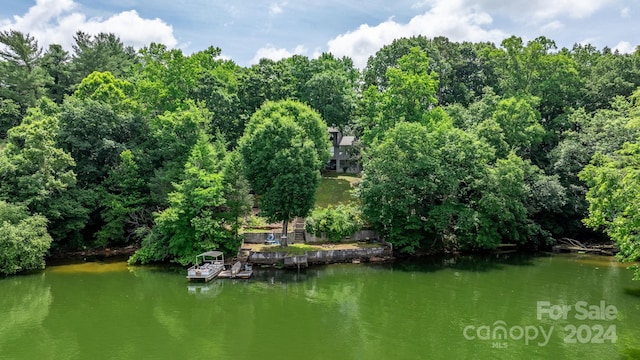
point(24, 240)
point(336, 222)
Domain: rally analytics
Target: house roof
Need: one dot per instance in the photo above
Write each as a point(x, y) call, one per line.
point(347, 141)
point(333, 130)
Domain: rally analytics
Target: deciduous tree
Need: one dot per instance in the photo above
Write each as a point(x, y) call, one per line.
point(284, 147)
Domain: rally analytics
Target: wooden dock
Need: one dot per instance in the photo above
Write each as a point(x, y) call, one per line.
point(237, 271)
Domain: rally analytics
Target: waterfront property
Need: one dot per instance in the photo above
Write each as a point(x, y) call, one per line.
point(343, 159)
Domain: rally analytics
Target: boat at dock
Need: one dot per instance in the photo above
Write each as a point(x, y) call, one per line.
point(237, 271)
point(207, 266)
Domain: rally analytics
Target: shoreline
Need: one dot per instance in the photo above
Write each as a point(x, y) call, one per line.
point(98, 254)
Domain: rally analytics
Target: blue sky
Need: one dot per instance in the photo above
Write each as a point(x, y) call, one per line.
point(247, 30)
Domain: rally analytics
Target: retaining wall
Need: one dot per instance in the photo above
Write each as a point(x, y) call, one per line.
point(322, 256)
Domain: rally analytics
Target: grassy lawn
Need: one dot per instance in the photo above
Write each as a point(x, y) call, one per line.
point(336, 189)
point(301, 249)
point(293, 249)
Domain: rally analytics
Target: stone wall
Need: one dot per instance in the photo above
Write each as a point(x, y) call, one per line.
point(269, 258)
point(323, 256)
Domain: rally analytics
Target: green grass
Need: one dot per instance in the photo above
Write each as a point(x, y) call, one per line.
point(335, 189)
point(293, 249)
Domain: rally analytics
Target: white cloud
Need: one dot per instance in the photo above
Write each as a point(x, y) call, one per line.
point(540, 10)
point(625, 12)
point(275, 8)
point(56, 21)
point(451, 18)
point(624, 47)
point(554, 25)
point(273, 53)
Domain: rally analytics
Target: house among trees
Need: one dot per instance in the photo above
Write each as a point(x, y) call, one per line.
point(344, 158)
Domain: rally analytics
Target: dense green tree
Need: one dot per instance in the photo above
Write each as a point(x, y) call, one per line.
point(613, 196)
point(603, 131)
point(9, 116)
point(123, 203)
point(24, 240)
point(333, 96)
point(514, 125)
point(606, 75)
point(517, 201)
point(535, 69)
point(92, 132)
point(418, 185)
point(409, 96)
point(32, 168)
point(173, 134)
point(239, 202)
point(99, 122)
point(36, 172)
point(217, 86)
point(102, 52)
point(164, 78)
point(267, 80)
point(22, 79)
point(284, 147)
point(195, 220)
point(463, 69)
point(56, 62)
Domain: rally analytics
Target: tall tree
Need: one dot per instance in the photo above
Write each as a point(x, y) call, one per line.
point(238, 199)
point(514, 125)
point(284, 147)
point(195, 220)
point(33, 168)
point(22, 79)
point(333, 96)
point(419, 184)
point(603, 131)
point(56, 62)
point(37, 173)
point(410, 96)
point(613, 196)
point(101, 52)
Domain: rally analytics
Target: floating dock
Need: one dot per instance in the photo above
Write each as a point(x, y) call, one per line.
point(237, 271)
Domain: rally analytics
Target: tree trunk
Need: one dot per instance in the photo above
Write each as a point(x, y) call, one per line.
point(283, 239)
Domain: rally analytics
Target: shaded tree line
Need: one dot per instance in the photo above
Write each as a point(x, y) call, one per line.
point(464, 145)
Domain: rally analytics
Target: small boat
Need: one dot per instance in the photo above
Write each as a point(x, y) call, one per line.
point(237, 271)
point(207, 266)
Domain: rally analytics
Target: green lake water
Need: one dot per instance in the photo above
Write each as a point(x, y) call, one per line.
point(435, 308)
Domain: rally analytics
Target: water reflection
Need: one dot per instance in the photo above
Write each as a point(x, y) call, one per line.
point(473, 263)
point(25, 302)
point(210, 289)
point(407, 309)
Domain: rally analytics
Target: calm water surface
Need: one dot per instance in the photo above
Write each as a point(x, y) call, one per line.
point(432, 308)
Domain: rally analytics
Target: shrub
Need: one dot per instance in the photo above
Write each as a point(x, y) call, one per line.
point(24, 240)
point(336, 222)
